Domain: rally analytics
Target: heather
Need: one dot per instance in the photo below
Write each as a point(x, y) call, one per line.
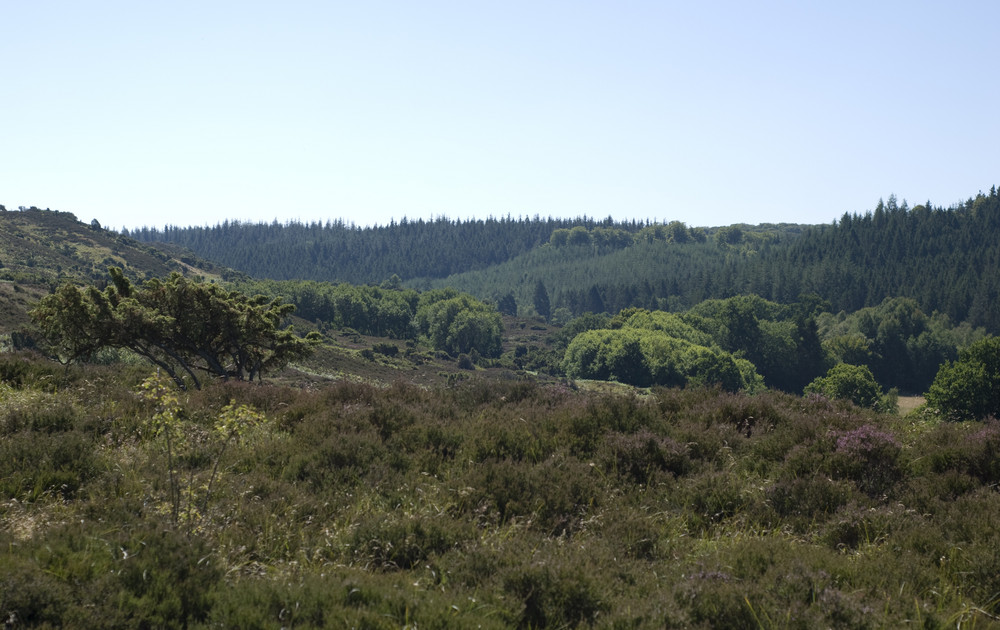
point(494, 503)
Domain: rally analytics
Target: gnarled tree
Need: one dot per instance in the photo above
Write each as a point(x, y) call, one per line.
point(180, 325)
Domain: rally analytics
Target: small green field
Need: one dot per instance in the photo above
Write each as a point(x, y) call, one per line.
point(910, 403)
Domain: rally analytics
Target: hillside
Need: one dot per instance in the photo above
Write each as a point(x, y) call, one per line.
point(337, 252)
point(394, 481)
point(42, 248)
point(947, 259)
point(654, 270)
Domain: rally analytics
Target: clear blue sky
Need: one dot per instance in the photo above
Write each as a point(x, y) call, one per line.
point(711, 113)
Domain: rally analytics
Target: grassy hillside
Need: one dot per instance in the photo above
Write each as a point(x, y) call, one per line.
point(40, 249)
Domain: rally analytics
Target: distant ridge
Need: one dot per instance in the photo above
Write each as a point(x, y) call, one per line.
point(946, 259)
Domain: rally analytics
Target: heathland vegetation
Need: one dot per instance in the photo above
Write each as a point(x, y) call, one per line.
point(714, 440)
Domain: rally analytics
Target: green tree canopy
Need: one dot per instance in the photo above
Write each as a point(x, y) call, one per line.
point(459, 323)
point(180, 325)
point(901, 345)
point(644, 357)
point(850, 382)
point(969, 388)
point(507, 305)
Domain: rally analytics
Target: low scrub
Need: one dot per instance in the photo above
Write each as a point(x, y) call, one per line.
point(494, 505)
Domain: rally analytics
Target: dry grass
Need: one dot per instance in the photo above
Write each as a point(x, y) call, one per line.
point(910, 403)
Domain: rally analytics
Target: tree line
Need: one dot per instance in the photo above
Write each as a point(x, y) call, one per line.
point(946, 259)
point(336, 251)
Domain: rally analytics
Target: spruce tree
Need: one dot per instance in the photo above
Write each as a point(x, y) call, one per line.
point(542, 305)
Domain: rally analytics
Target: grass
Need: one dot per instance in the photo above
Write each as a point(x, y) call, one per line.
point(489, 503)
point(910, 403)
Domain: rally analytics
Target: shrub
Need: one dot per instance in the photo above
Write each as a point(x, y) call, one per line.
point(560, 597)
point(25, 369)
point(403, 542)
point(969, 388)
point(31, 596)
point(849, 382)
point(168, 581)
point(983, 453)
point(460, 324)
point(869, 457)
point(33, 465)
point(644, 357)
point(855, 525)
point(385, 348)
point(42, 413)
point(806, 500)
point(555, 495)
point(712, 497)
point(642, 455)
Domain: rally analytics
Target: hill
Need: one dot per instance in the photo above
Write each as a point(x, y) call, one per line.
point(387, 483)
point(947, 259)
point(338, 252)
point(40, 249)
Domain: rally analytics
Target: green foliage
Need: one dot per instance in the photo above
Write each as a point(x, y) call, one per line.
point(937, 257)
point(493, 503)
point(583, 323)
point(165, 422)
point(337, 252)
point(649, 357)
point(234, 423)
point(178, 325)
point(780, 340)
point(848, 382)
point(460, 325)
point(541, 301)
point(36, 464)
point(744, 342)
point(901, 345)
point(870, 457)
point(384, 311)
point(671, 323)
point(969, 388)
point(507, 305)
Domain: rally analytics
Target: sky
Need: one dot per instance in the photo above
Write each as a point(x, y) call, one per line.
point(711, 113)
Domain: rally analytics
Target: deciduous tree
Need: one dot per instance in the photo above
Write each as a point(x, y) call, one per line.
point(969, 388)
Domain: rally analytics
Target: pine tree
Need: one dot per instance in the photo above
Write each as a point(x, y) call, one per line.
point(542, 305)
